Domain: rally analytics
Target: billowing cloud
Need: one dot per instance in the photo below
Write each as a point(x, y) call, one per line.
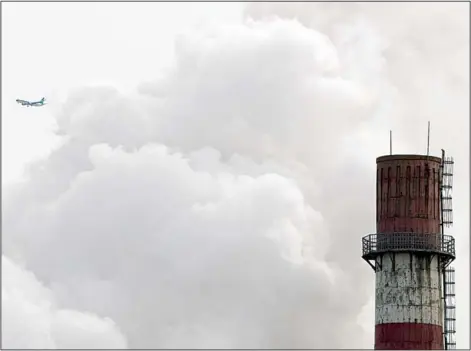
point(31, 317)
point(197, 258)
point(222, 205)
point(423, 59)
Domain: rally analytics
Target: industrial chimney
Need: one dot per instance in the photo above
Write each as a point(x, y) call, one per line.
point(410, 254)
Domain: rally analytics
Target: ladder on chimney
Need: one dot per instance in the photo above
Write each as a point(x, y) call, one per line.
point(450, 309)
point(446, 189)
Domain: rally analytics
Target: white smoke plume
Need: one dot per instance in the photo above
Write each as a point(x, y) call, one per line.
point(31, 318)
point(223, 205)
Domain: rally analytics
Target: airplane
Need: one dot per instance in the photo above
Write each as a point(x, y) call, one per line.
point(31, 103)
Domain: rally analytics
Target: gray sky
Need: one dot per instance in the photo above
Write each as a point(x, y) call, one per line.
point(203, 173)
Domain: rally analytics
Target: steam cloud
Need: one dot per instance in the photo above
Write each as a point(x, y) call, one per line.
point(33, 319)
point(223, 205)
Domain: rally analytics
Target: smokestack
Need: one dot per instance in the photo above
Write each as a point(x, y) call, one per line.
point(410, 254)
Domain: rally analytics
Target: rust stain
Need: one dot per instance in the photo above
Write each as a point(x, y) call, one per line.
point(407, 194)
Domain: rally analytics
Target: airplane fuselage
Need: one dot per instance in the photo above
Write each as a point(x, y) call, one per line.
point(30, 103)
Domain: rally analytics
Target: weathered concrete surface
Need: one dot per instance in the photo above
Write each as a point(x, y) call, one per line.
point(408, 303)
point(408, 290)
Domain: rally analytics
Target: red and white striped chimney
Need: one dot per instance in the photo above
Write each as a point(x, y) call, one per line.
point(408, 253)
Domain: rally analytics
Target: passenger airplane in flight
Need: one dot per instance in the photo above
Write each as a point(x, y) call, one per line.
point(31, 103)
